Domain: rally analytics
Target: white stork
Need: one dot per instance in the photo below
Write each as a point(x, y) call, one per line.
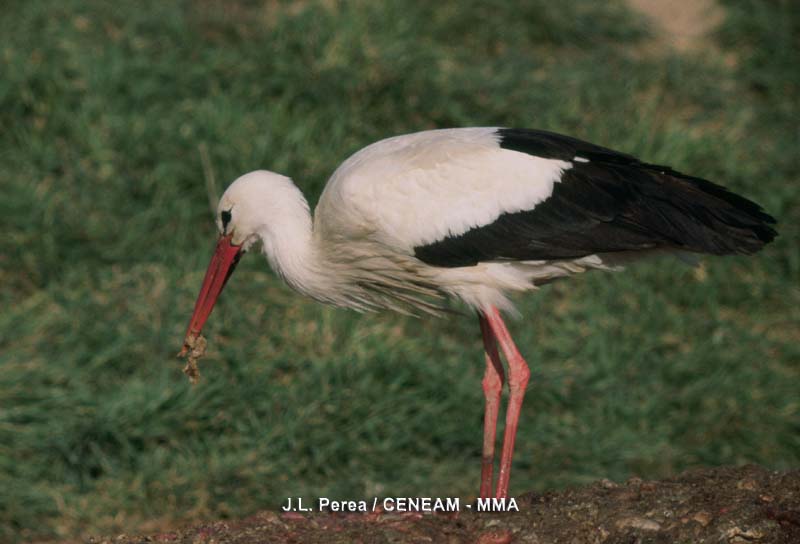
point(475, 214)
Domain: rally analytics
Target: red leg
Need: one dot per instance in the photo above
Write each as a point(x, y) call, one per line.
point(492, 387)
point(518, 374)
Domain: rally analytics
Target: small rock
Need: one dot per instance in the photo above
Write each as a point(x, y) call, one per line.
point(605, 483)
point(642, 524)
point(748, 484)
point(495, 537)
point(737, 535)
point(267, 516)
point(702, 517)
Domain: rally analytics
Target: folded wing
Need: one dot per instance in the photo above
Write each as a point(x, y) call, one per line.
point(604, 202)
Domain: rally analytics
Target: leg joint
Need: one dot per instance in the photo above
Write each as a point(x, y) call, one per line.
point(492, 384)
point(518, 379)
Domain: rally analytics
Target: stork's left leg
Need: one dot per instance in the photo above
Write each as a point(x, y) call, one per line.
point(518, 374)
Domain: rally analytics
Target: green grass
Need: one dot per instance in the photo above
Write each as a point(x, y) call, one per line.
point(104, 112)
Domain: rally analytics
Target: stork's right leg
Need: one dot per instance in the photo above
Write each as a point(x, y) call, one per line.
point(492, 387)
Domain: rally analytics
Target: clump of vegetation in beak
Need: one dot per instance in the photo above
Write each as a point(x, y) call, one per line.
point(197, 349)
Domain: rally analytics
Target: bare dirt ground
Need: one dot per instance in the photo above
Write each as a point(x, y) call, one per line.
point(681, 24)
point(745, 504)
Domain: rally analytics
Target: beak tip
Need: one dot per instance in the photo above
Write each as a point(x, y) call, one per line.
point(188, 343)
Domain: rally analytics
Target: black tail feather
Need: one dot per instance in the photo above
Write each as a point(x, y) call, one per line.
point(730, 223)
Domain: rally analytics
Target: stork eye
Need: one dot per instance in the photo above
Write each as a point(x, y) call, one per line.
point(226, 218)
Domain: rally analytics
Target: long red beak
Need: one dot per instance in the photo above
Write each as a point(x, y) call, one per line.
point(223, 262)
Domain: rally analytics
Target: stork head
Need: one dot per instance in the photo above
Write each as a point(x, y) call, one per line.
point(245, 211)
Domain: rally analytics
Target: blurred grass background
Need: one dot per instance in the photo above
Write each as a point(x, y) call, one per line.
point(106, 110)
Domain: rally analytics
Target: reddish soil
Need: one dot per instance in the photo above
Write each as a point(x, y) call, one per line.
point(724, 505)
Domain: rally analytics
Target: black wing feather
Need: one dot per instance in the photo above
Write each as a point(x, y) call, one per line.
point(612, 203)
